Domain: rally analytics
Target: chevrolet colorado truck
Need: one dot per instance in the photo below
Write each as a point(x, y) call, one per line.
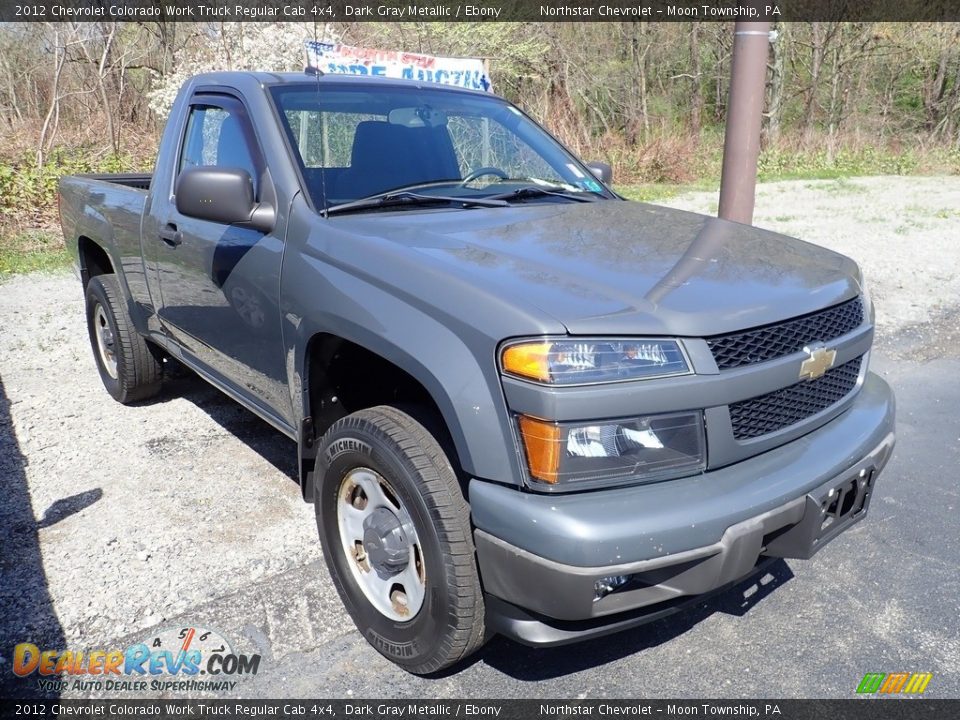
point(522, 404)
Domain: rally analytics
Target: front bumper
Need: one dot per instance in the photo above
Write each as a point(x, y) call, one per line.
point(676, 539)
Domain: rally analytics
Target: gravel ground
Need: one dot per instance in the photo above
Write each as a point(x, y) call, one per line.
point(120, 521)
point(142, 512)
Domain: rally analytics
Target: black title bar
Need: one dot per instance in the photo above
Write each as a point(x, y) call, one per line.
point(476, 10)
point(875, 708)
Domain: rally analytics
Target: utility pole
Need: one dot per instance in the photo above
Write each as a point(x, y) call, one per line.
point(741, 145)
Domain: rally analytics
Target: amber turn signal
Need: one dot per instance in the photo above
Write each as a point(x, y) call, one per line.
point(541, 442)
point(528, 360)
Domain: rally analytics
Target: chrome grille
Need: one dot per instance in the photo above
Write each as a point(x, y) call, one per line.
point(787, 406)
point(772, 341)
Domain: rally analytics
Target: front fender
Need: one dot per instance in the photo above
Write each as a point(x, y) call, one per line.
point(456, 364)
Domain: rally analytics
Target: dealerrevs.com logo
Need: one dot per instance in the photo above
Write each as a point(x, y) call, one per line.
point(175, 659)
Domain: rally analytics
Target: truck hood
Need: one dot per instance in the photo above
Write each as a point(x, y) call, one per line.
point(624, 268)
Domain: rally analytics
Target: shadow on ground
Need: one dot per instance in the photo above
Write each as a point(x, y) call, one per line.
point(272, 445)
point(26, 609)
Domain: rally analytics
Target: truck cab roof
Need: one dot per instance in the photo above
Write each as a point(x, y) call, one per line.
point(244, 79)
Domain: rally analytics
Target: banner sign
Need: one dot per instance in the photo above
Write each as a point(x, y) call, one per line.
point(349, 60)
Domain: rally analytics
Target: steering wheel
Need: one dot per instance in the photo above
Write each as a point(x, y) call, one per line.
point(480, 172)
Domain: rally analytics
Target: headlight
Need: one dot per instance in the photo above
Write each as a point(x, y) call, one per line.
point(580, 361)
point(654, 447)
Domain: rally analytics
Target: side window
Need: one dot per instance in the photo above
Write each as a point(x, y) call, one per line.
point(220, 137)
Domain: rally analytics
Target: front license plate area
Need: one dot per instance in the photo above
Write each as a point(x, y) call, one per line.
point(844, 504)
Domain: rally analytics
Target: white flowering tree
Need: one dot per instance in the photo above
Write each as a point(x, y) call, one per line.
point(272, 47)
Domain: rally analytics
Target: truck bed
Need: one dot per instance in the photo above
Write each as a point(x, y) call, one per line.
point(106, 207)
point(139, 181)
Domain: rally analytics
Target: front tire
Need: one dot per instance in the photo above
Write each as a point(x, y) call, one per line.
point(128, 365)
point(396, 536)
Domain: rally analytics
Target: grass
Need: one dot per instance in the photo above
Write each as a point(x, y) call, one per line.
point(653, 192)
point(32, 251)
point(28, 242)
point(831, 172)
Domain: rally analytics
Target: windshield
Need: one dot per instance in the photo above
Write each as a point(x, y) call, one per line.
point(363, 141)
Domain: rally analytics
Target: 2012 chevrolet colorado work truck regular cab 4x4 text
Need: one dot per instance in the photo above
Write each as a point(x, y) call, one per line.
point(523, 405)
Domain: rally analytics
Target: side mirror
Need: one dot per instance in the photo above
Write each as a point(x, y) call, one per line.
point(603, 171)
point(222, 195)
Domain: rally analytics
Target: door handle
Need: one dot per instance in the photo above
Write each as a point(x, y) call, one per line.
point(170, 235)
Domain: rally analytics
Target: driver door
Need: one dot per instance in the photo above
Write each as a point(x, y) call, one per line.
point(219, 284)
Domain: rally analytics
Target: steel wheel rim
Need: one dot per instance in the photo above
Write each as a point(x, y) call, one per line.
point(106, 343)
point(364, 499)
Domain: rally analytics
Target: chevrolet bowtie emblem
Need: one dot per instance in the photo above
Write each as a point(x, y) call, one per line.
point(818, 363)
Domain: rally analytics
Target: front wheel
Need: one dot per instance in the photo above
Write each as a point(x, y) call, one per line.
point(396, 537)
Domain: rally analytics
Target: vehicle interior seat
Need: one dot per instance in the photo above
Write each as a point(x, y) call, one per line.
point(386, 156)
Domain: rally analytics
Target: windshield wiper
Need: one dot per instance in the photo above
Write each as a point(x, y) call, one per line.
point(410, 199)
point(535, 191)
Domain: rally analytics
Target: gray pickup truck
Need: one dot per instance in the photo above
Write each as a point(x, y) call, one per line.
point(523, 405)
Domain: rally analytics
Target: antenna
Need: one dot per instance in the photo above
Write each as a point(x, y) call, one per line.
point(312, 50)
point(318, 73)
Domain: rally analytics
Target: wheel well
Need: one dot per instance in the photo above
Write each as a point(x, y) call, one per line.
point(344, 377)
point(93, 260)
